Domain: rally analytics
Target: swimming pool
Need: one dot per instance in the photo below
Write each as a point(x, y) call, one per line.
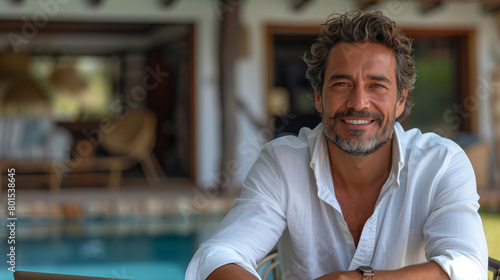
point(132, 248)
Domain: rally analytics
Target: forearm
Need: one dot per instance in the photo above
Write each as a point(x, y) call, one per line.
point(229, 272)
point(425, 271)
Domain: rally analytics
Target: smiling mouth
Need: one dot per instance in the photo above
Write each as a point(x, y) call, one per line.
point(358, 122)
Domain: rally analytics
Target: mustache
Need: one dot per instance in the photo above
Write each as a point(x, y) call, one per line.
point(357, 114)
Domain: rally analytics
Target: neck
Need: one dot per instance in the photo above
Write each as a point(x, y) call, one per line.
point(358, 175)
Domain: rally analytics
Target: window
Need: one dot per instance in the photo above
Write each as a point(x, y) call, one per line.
point(444, 92)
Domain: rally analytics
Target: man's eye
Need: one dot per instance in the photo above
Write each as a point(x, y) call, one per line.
point(378, 86)
point(340, 84)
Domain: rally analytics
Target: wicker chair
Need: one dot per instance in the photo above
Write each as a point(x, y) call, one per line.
point(133, 138)
point(270, 264)
point(494, 265)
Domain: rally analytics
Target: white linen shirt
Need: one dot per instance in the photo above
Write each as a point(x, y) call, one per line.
point(426, 210)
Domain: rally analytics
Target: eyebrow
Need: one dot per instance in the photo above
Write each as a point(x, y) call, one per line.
point(349, 77)
point(379, 78)
point(339, 76)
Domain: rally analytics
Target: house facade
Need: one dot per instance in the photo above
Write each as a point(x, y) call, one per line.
point(473, 26)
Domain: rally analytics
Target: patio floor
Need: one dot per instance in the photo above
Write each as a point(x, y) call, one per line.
point(133, 198)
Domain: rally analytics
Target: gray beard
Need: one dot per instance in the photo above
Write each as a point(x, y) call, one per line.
point(356, 147)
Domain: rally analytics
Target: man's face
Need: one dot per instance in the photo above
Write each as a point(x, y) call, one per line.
point(359, 103)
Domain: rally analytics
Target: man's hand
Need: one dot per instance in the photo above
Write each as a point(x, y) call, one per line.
point(425, 271)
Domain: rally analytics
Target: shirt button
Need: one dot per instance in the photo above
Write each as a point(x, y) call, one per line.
point(343, 228)
point(347, 237)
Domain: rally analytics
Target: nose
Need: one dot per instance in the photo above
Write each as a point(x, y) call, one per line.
point(358, 99)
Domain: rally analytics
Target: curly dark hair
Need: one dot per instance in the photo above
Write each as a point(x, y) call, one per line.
point(363, 27)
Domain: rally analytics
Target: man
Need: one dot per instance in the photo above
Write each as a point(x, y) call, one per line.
point(357, 197)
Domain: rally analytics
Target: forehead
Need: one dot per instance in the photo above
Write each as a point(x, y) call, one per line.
point(365, 57)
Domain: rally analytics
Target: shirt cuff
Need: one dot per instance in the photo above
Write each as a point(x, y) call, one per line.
point(205, 261)
point(459, 266)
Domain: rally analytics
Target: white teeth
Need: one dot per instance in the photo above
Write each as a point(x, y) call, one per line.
point(357, 121)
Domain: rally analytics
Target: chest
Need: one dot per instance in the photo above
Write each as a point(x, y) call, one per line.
point(357, 206)
point(355, 215)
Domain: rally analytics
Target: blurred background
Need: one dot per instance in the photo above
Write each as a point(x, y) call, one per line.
point(132, 124)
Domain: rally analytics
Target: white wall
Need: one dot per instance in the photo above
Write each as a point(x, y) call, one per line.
point(255, 14)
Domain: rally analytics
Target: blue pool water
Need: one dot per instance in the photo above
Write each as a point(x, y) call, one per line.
point(129, 254)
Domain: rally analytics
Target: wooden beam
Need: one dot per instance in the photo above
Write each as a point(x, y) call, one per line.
point(298, 4)
point(167, 3)
point(491, 7)
point(427, 6)
point(94, 3)
point(496, 17)
point(365, 4)
point(228, 55)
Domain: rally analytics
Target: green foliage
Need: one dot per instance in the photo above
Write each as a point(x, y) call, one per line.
point(434, 93)
point(491, 225)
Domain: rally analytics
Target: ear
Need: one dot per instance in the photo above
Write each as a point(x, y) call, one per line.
point(400, 104)
point(318, 102)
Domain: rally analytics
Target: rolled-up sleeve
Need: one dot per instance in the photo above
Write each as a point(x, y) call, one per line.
point(453, 231)
point(251, 228)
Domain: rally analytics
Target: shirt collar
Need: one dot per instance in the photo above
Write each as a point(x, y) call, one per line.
point(321, 166)
point(392, 182)
point(398, 157)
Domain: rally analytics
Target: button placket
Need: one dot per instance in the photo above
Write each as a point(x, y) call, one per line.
point(366, 246)
point(347, 234)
